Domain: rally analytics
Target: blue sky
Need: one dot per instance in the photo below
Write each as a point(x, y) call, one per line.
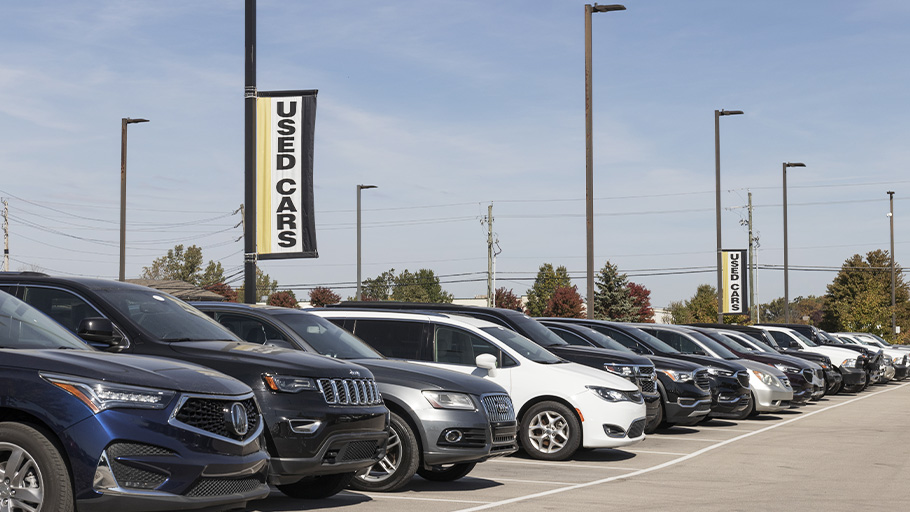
point(450, 106)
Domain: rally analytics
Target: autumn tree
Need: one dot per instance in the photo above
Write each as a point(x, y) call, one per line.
point(565, 303)
point(545, 285)
point(379, 287)
point(612, 297)
point(507, 299)
point(859, 298)
point(265, 285)
point(641, 303)
point(285, 299)
point(223, 289)
point(322, 296)
point(421, 286)
point(701, 307)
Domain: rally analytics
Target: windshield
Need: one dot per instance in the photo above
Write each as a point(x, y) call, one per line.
point(721, 351)
point(24, 327)
point(653, 342)
point(537, 332)
point(167, 318)
point(327, 338)
point(522, 345)
point(732, 342)
point(602, 340)
point(803, 339)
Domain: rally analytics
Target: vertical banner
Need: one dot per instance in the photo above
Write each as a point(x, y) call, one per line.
point(285, 124)
point(736, 286)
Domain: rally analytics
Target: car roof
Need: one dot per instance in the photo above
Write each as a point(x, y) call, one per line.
point(439, 316)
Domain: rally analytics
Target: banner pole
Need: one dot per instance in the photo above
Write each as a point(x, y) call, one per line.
point(249, 155)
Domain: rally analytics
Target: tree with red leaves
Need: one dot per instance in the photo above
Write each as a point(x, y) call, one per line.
point(507, 299)
point(323, 296)
point(641, 302)
point(285, 299)
point(565, 303)
point(225, 290)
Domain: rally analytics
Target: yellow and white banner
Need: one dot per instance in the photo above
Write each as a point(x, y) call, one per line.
point(736, 286)
point(285, 122)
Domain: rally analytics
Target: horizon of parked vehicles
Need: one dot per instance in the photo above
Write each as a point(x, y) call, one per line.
point(154, 395)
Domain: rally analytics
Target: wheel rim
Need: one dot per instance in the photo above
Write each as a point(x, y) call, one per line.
point(548, 432)
point(21, 483)
point(386, 466)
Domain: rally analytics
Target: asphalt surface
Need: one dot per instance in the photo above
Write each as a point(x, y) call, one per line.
point(845, 452)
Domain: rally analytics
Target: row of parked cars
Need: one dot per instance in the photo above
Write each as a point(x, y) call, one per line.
point(115, 395)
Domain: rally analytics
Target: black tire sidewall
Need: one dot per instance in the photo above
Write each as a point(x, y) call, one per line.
point(410, 460)
point(572, 444)
point(56, 482)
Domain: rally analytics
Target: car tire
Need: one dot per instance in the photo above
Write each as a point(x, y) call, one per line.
point(550, 431)
point(446, 472)
point(399, 464)
point(317, 487)
point(751, 412)
point(44, 466)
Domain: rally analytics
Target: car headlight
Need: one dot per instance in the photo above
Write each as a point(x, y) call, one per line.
point(615, 395)
point(719, 372)
point(849, 363)
point(619, 369)
point(449, 400)
point(288, 383)
point(766, 378)
point(678, 376)
point(786, 369)
point(100, 395)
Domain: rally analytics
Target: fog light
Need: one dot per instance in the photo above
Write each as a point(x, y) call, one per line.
point(614, 431)
point(453, 436)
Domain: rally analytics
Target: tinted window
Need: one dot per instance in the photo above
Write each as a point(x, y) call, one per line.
point(249, 328)
point(781, 338)
point(619, 337)
point(522, 345)
point(25, 327)
point(457, 346)
point(392, 338)
point(570, 337)
point(64, 307)
point(165, 317)
point(327, 338)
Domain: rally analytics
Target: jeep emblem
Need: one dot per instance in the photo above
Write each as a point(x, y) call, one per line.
point(355, 373)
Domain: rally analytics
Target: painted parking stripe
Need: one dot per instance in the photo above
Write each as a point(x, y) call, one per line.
point(532, 481)
point(652, 452)
point(675, 461)
point(411, 498)
point(567, 464)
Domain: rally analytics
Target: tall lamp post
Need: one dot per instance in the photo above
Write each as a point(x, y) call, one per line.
point(893, 279)
point(123, 123)
point(720, 278)
point(359, 188)
point(786, 261)
point(589, 151)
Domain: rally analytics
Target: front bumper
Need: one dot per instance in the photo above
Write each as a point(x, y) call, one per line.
point(853, 377)
point(772, 399)
point(901, 372)
point(609, 424)
point(479, 440)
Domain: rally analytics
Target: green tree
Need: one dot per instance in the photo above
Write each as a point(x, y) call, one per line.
point(265, 286)
point(214, 273)
point(612, 297)
point(701, 307)
point(420, 286)
point(380, 287)
point(565, 303)
point(322, 296)
point(545, 285)
point(179, 264)
point(507, 299)
point(859, 297)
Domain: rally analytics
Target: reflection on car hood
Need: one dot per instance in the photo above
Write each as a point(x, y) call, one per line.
point(270, 359)
point(148, 371)
point(412, 375)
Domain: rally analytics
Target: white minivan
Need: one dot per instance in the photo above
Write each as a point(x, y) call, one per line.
point(561, 406)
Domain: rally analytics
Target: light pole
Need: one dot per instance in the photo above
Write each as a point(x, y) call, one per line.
point(786, 261)
point(589, 151)
point(891, 219)
point(123, 123)
point(720, 278)
point(359, 188)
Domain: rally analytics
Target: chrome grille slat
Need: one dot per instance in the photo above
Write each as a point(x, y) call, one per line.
point(350, 391)
point(499, 408)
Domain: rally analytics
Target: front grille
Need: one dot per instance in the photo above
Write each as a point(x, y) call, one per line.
point(703, 380)
point(637, 428)
point(134, 478)
point(208, 414)
point(350, 392)
point(505, 434)
point(223, 486)
point(499, 408)
point(357, 450)
point(743, 379)
point(646, 378)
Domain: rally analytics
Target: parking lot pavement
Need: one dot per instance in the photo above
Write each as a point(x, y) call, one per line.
point(837, 454)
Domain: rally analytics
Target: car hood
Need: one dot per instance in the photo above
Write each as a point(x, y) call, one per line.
point(270, 359)
point(604, 353)
point(761, 367)
point(669, 363)
point(587, 376)
point(147, 371)
point(418, 376)
point(772, 359)
point(717, 362)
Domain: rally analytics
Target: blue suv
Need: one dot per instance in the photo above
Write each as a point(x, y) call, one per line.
point(86, 430)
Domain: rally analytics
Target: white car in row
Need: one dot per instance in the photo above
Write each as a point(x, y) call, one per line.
point(850, 363)
point(561, 406)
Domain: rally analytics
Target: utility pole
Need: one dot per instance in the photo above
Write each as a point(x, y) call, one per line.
point(249, 154)
point(5, 235)
point(491, 299)
point(891, 219)
point(752, 305)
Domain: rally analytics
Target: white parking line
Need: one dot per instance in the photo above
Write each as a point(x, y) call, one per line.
point(633, 450)
point(673, 462)
point(394, 497)
point(532, 481)
point(696, 439)
point(566, 464)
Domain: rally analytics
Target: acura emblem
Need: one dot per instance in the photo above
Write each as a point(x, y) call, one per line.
point(236, 419)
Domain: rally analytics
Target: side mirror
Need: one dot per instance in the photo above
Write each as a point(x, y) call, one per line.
point(279, 344)
point(487, 362)
point(99, 332)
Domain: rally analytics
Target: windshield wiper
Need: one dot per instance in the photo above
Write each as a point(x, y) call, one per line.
point(176, 340)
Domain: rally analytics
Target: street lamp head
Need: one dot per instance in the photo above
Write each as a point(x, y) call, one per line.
point(608, 8)
point(888, 214)
point(133, 121)
point(794, 164)
point(723, 112)
point(361, 187)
